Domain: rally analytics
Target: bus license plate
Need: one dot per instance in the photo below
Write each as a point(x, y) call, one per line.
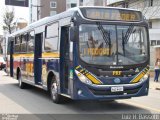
point(116, 89)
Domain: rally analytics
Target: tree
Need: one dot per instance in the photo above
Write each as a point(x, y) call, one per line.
point(8, 21)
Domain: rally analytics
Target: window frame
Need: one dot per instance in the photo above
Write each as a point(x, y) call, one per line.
point(53, 11)
point(28, 40)
point(150, 3)
point(150, 24)
point(53, 2)
point(56, 36)
point(17, 43)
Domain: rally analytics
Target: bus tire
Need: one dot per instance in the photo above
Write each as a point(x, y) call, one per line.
point(56, 98)
point(21, 84)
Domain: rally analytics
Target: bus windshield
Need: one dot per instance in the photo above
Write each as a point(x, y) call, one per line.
point(112, 44)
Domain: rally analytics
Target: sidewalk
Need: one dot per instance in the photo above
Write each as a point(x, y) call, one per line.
point(154, 85)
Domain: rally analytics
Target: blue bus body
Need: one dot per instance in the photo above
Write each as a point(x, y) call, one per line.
point(66, 60)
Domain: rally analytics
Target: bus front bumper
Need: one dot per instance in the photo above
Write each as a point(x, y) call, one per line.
point(103, 92)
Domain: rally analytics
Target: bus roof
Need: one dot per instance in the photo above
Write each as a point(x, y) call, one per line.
point(64, 14)
point(45, 20)
point(107, 7)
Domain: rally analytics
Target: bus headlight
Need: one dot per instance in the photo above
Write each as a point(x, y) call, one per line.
point(84, 79)
point(145, 77)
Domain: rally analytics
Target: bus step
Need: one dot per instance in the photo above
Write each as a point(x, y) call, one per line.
point(66, 95)
point(39, 86)
point(39, 83)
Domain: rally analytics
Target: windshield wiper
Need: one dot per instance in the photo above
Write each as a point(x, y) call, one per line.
point(123, 43)
point(126, 37)
point(128, 33)
point(105, 35)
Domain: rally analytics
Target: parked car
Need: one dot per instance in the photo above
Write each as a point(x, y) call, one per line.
point(2, 63)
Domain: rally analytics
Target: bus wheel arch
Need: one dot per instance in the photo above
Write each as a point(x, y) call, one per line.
point(50, 76)
point(52, 84)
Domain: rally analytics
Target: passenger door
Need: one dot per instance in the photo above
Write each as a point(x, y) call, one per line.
point(29, 62)
point(38, 58)
point(11, 57)
point(64, 59)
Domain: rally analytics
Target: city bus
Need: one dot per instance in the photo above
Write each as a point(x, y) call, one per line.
point(84, 53)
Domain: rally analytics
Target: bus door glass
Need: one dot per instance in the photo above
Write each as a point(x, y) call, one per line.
point(37, 58)
point(23, 48)
point(65, 59)
point(29, 60)
point(11, 56)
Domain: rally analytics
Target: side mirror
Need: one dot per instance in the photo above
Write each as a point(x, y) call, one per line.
point(72, 35)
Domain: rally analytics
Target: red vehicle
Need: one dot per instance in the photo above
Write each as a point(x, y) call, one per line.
point(2, 63)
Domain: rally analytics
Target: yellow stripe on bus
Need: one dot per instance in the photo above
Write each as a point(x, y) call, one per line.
point(141, 75)
point(31, 55)
point(54, 55)
point(93, 79)
point(137, 79)
point(23, 55)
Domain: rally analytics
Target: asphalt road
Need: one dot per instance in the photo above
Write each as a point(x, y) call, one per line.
point(14, 100)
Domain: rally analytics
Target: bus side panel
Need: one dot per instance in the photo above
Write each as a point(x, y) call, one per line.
point(16, 65)
point(25, 70)
point(8, 65)
point(49, 65)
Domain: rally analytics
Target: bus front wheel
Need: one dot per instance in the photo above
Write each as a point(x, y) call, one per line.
point(56, 98)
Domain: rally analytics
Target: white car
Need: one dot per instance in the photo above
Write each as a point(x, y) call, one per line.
point(2, 63)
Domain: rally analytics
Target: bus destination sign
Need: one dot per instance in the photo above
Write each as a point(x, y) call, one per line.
point(111, 14)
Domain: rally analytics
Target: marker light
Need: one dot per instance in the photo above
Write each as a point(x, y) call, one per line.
point(145, 77)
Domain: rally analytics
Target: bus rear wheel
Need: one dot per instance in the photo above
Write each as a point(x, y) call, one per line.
point(56, 98)
point(21, 84)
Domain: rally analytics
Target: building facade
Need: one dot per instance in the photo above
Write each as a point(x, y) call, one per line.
point(51, 7)
point(92, 2)
point(43, 8)
point(71, 4)
point(34, 10)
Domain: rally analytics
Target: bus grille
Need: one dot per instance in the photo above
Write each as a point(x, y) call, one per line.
point(106, 92)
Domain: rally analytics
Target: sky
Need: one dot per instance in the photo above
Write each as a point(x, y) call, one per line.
point(20, 12)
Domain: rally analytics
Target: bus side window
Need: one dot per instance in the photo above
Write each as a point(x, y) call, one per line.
point(51, 37)
point(17, 44)
point(24, 43)
point(9, 47)
point(30, 43)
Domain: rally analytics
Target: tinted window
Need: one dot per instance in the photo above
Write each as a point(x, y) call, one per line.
point(51, 40)
point(24, 43)
point(17, 44)
point(31, 42)
point(113, 44)
point(51, 44)
point(52, 30)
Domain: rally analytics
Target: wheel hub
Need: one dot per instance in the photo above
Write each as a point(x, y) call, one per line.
point(54, 90)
